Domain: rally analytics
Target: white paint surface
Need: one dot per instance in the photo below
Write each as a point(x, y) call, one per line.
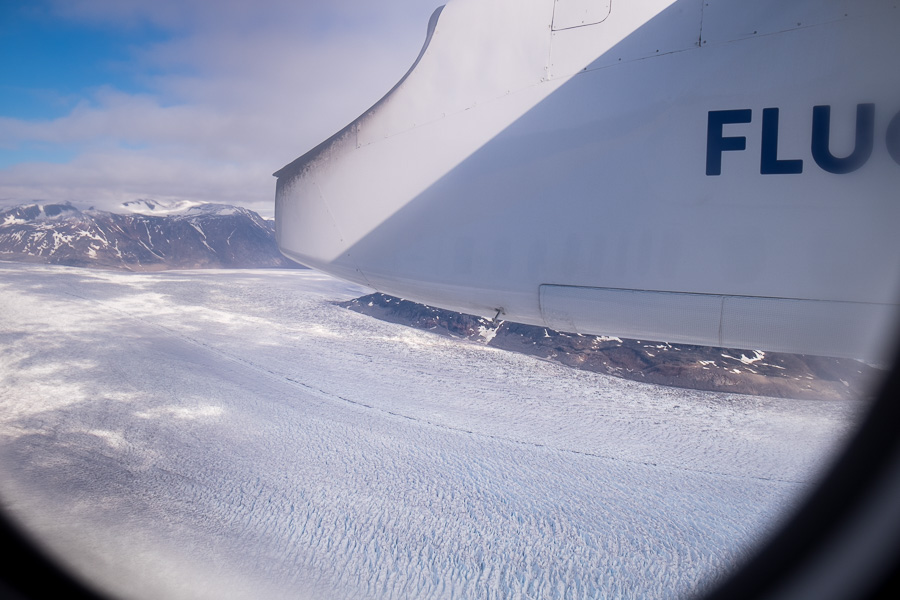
point(513, 156)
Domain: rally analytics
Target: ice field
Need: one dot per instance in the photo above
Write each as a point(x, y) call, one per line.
point(233, 434)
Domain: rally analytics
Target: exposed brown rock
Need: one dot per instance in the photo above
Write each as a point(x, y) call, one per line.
point(680, 365)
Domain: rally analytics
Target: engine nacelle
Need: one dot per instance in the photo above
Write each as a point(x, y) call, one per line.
point(721, 173)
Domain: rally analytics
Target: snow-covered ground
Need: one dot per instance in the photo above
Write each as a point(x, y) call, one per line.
point(233, 434)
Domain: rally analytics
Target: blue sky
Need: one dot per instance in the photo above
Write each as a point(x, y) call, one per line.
point(103, 101)
point(48, 62)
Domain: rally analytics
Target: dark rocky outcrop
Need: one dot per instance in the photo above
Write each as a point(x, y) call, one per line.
point(696, 367)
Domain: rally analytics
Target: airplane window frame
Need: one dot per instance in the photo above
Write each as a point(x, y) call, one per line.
point(827, 549)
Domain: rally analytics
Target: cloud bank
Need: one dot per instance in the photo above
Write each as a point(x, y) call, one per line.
point(236, 90)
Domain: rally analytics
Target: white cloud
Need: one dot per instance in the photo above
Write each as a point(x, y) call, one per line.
point(104, 179)
point(239, 90)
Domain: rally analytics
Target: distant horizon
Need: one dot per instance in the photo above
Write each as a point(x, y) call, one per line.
point(8, 203)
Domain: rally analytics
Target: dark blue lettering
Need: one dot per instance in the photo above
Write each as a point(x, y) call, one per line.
point(769, 164)
point(893, 138)
point(716, 143)
point(862, 150)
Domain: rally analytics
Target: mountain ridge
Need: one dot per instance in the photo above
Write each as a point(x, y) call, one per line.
point(147, 236)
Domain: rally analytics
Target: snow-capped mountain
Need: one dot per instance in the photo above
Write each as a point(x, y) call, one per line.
point(144, 236)
point(696, 367)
